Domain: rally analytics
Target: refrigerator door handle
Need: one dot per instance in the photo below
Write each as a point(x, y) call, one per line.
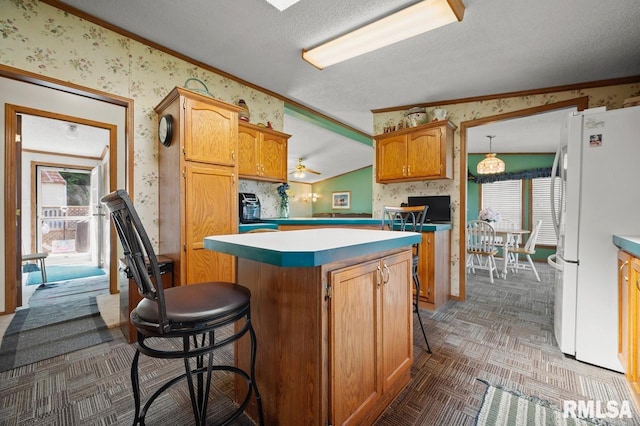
point(551, 260)
point(554, 213)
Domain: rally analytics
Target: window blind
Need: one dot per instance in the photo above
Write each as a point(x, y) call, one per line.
point(506, 198)
point(541, 208)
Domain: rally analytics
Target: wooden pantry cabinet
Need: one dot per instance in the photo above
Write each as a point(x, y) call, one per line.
point(629, 320)
point(262, 153)
point(198, 184)
point(417, 153)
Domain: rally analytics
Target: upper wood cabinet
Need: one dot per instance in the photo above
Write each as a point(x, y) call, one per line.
point(417, 153)
point(262, 153)
point(198, 181)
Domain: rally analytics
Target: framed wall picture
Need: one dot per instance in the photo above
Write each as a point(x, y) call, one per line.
point(341, 200)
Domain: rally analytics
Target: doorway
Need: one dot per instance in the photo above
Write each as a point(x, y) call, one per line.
point(51, 98)
point(579, 103)
point(64, 162)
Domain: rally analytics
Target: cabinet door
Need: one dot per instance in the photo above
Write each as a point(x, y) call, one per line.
point(248, 145)
point(425, 267)
point(397, 325)
point(209, 210)
point(634, 326)
point(425, 153)
point(391, 158)
point(624, 267)
point(210, 133)
point(273, 157)
point(354, 343)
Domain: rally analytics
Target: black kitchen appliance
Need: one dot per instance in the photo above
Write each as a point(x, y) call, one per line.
point(249, 208)
point(439, 207)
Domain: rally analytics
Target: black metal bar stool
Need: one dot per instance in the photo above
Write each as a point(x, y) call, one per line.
point(193, 313)
point(409, 219)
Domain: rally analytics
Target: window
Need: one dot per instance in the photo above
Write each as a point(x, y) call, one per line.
point(541, 208)
point(504, 197)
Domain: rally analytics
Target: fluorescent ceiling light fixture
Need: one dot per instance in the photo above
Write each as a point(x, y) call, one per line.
point(282, 4)
point(406, 23)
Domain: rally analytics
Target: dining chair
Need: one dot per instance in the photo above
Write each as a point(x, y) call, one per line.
point(409, 219)
point(481, 240)
point(191, 314)
point(527, 250)
point(500, 242)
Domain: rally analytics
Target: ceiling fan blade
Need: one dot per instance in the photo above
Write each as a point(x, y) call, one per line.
point(313, 171)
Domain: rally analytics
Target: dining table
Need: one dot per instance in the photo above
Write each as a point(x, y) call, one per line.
point(511, 237)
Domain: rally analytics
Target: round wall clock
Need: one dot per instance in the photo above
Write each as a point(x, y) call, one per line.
point(165, 129)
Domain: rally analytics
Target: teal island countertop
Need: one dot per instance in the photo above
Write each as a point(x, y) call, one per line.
point(428, 227)
point(628, 243)
point(309, 247)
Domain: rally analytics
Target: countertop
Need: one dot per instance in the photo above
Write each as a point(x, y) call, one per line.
point(428, 227)
point(246, 227)
point(628, 243)
point(309, 247)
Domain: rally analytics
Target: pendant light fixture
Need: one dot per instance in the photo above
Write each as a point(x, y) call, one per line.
point(491, 164)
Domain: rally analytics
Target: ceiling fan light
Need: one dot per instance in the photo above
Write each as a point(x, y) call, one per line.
point(490, 165)
point(406, 23)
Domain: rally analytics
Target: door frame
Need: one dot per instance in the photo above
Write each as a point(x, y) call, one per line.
point(13, 253)
point(580, 103)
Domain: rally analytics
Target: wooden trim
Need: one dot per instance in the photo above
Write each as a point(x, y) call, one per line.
point(10, 211)
point(581, 103)
point(529, 92)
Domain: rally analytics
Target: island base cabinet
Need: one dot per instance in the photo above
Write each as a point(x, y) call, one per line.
point(370, 340)
point(335, 342)
point(629, 321)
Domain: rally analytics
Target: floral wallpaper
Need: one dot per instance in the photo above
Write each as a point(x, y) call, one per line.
point(41, 39)
point(393, 194)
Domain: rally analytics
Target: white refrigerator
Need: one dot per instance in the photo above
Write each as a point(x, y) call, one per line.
point(599, 168)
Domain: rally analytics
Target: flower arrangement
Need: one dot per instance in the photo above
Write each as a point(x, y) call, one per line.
point(284, 192)
point(489, 215)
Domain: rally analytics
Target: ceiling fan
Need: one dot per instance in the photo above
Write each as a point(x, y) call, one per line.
point(300, 170)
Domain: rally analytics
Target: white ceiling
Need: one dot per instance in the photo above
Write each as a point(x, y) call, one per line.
point(52, 135)
point(499, 47)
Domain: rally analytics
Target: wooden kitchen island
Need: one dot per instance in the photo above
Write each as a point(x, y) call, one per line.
point(332, 313)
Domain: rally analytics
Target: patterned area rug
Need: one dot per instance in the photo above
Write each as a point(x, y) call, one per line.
point(501, 407)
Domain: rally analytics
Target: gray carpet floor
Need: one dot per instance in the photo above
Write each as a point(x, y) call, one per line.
point(502, 334)
point(61, 318)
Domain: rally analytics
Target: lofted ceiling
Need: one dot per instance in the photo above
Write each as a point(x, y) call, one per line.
point(499, 47)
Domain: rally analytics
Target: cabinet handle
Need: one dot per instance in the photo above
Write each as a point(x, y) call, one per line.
point(626, 262)
point(233, 155)
point(409, 170)
point(388, 274)
point(257, 168)
point(403, 173)
point(380, 276)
